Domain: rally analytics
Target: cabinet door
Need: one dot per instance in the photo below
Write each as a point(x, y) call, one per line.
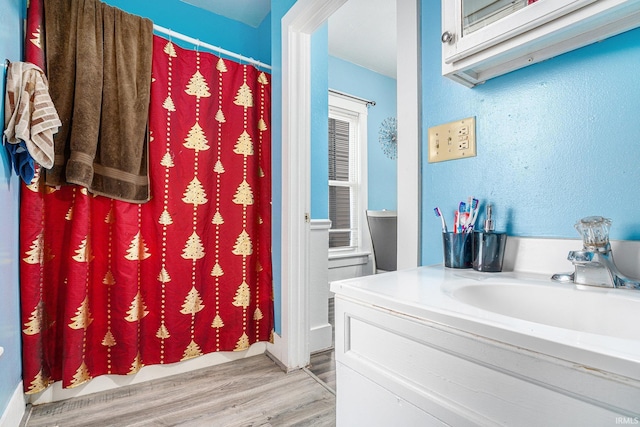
point(460, 42)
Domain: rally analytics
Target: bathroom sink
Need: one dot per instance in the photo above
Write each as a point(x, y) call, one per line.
point(610, 312)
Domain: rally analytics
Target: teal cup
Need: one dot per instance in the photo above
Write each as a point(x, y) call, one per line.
point(457, 249)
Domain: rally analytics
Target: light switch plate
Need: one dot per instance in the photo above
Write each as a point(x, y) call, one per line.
point(455, 140)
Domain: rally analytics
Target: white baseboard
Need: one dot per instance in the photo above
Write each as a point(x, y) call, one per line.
point(320, 338)
point(14, 413)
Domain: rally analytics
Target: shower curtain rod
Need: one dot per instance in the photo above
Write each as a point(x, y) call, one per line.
point(221, 51)
point(366, 101)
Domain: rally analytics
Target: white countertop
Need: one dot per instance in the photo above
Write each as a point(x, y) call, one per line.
point(425, 294)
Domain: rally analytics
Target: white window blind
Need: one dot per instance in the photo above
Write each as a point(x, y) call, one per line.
point(343, 184)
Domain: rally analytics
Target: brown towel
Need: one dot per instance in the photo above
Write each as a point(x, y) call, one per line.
point(30, 116)
point(99, 68)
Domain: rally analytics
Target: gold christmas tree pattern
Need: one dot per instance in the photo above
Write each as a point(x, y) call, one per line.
point(244, 97)
point(167, 160)
point(163, 276)
point(218, 168)
point(137, 249)
point(244, 145)
point(38, 253)
point(221, 66)
point(137, 309)
point(170, 50)
point(244, 194)
point(136, 365)
point(38, 383)
point(109, 218)
point(243, 343)
point(217, 219)
point(217, 271)
point(192, 350)
point(165, 218)
point(37, 38)
point(194, 194)
point(108, 340)
point(69, 215)
point(83, 253)
point(82, 375)
point(243, 296)
point(34, 185)
point(109, 279)
point(168, 104)
point(34, 325)
point(192, 302)
point(243, 245)
point(83, 318)
point(196, 139)
point(198, 86)
point(217, 322)
point(163, 332)
point(193, 249)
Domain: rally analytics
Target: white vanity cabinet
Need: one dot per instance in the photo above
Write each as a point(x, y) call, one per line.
point(407, 354)
point(517, 33)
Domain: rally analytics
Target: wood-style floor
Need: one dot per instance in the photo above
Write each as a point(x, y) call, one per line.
point(247, 392)
point(323, 366)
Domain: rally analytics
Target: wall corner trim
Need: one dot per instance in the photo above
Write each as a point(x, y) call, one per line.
point(15, 411)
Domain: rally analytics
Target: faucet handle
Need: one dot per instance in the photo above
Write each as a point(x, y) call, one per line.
point(594, 231)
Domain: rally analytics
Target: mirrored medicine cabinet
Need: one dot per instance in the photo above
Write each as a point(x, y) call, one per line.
point(482, 39)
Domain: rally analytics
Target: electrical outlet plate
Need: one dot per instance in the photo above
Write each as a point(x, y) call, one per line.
point(455, 140)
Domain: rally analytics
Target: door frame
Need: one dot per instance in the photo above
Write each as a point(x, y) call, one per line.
point(291, 347)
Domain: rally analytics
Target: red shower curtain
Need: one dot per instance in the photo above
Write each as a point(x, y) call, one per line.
point(107, 286)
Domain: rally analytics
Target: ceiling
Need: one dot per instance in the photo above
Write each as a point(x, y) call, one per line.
point(250, 12)
point(361, 31)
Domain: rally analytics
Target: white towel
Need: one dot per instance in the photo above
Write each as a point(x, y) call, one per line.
point(30, 115)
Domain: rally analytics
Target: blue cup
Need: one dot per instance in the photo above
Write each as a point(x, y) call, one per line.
point(457, 249)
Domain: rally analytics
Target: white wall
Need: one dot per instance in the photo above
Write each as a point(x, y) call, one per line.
point(321, 334)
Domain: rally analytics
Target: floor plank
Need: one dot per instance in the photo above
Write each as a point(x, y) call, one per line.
point(323, 366)
point(246, 392)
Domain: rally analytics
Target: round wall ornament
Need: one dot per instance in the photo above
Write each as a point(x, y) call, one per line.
point(388, 137)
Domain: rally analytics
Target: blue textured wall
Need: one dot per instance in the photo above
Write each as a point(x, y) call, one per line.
point(203, 25)
point(556, 141)
point(10, 362)
point(358, 81)
point(278, 10)
point(335, 73)
point(320, 123)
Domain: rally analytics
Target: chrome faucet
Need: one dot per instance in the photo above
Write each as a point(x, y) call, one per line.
point(594, 265)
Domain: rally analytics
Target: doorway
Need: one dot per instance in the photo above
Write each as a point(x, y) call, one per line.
point(305, 16)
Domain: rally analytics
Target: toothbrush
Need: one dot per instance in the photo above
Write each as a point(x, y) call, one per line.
point(469, 213)
point(463, 216)
point(474, 216)
point(439, 214)
point(456, 220)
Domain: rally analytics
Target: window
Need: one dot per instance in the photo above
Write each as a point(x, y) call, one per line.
point(347, 172)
